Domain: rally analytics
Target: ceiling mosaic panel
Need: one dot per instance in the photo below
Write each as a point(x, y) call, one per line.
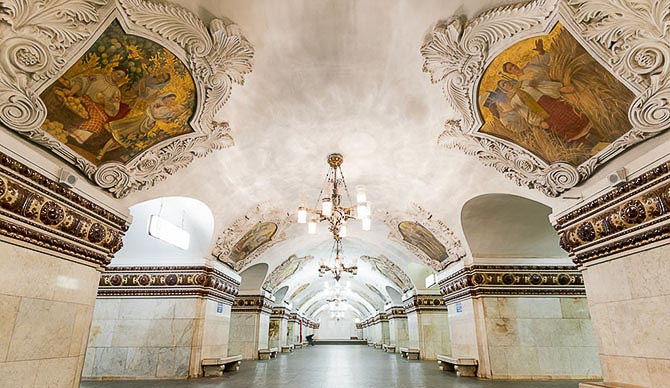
point(530, 83)
point(138, 104)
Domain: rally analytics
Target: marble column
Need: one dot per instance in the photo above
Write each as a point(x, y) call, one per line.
point(250, 325)
point(142, 329)
point(619, 239)
point(278, 335)
point(384, 324)
point(398, 334)
point(294, 329)
point(428, 326)
point(54, 243)
point(521, 321)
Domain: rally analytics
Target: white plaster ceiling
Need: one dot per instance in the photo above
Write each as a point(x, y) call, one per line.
point(337, 76)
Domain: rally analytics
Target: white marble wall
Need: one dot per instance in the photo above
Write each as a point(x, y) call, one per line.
point(46, 305)
point(150, 337)
point(538, 338)
point(386, 335)
point(248, 333)
point(433, 334)
point(629, 300)
point(398, 334)
point(413, 330)
point(376, 332)
point(463, 329)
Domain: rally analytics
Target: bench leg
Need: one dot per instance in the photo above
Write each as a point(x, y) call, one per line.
point(212, 370)
point(412, 356)
point(466, 370)
point(445, 366)
point(264, 356)
point(232, 367)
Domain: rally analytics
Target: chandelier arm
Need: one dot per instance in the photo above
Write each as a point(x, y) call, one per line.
point(346, 188)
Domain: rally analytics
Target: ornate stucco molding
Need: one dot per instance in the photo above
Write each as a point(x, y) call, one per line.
point(390, 270)
point(37, 210)
point(634, 215)
point(280, 312)
point(512, 281)
point(629, 39)
point(168, 281)
point(263, 212)
point(437, 227)
point(42, 38)
point(287, 268)
point(253, 304)
point(427, 303)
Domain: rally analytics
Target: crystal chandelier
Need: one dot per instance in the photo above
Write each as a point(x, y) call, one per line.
point(338, 267)
point(332, 209)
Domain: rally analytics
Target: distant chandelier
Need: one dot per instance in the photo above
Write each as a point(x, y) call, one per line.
point(331, 208)
point(338, 267)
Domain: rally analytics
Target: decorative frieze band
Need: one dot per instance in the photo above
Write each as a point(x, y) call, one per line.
point(253, 303)
point(396, 312)
point(279, 312)
point(39, 211)
point(636, 214)
point(173, 281)
point(420, 303)
point(505, 281)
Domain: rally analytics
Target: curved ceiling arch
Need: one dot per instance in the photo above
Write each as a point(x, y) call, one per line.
point(253, 277)
point(516, 227)
point(396, 297)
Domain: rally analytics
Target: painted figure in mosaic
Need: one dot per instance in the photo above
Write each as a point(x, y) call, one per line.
point(417, 235)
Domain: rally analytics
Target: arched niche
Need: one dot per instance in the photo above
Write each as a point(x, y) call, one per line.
point(280, 294)
point(252, 277)
point(139, 248)
point(508, 226)
point(396, 298)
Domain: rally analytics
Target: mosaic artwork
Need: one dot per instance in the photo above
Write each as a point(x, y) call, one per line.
point(274, 330)
point(260, 234)
point(416, 234)
point(124, 95)
point(550, 96)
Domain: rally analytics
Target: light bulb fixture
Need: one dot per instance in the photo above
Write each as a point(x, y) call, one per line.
point(338, 267)
point(330, 206)
point(367, 223)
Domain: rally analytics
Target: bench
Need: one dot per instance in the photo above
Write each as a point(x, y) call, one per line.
point(378, 345)
point(371, 344)
point(462, 366)
point(287, 348)
point(410, 354)
point(266, 354)
point(298, 346)
point(389, 348)
point(214, 367)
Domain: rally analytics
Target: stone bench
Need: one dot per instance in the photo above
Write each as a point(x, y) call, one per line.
point(389, 348)
point(299, 346)
point(378, 345)
point(266, 354)
point(462, 366)
point(287, 348)
point(371, 344)
point(213, 367)
point(410, 354)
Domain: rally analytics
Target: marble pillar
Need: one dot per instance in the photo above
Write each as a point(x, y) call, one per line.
point(398, 333)
point(626, 272)
point(428, 326)
point(294, 325)
point(384, 324)
point(54, 243)
point(141, 330)
point(250, 325)
point(521, 321)
point(278, 332)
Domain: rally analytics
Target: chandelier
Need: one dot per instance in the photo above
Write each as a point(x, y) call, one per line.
point(336, 214)
point(332, 209)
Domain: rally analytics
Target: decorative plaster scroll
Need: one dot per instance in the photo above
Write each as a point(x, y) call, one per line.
point(438, 228)
point(625, 218)
point(37, 210)
point(41, 38)
point(391, 271)
point(285, 270)
point(630, 39)
point(169, 281)
point(518, 281)
point(263, 212)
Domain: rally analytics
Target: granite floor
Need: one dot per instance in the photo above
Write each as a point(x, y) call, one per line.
point(338, 366)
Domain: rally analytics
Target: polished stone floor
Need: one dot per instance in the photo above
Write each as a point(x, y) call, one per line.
point(339, 366)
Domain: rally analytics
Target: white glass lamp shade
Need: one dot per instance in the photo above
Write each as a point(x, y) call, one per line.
point(326, 207)
point(311, 226)
point(363, 210)
point(360, 194)
point(343, 231)
point(367, 223)
point(302, 215)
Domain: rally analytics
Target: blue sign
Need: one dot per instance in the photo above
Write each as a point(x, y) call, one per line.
point(219, 307)
point(459, 307)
